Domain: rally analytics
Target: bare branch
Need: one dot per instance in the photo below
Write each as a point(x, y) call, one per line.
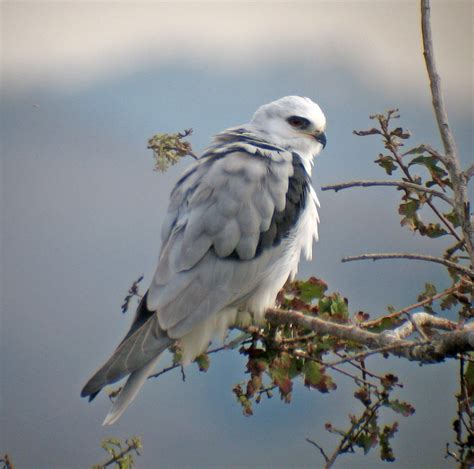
point(452, 160)
point(419, 257)
point(402, 184)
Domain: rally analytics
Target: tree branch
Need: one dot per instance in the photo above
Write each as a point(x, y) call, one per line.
point(423, 321)
point(452, 161)
point(402, 184)
point(419, 257)
point(437, 349)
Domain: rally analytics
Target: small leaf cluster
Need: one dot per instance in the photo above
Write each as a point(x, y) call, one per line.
point(430, 189)
point(133, 291)
point(434, 175)
point(121, 453)
point(365, 430)
point(277, 356)
point(168, 149)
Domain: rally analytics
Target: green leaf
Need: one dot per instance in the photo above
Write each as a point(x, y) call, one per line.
point(401, 407)
point(334, 305)
point(453, 218)
point(366, 441)
point(312, 373)
point(339, 307)
point(430, 290)
point(415, 151)
point(400, 133)
point(386, 451)
point(315, 377)
point(324, 305)
point(409, 208)
point(387, 163)
point(311, 289)
point(203, 362)
point(437, 173)
point(432, 230)
point(448, 302)
point(243, 400)
point(280, 370)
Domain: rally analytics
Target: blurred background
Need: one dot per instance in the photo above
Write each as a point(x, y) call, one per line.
point(84, 85)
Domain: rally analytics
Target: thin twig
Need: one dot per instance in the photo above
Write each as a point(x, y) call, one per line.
point(402, 184)
point(469, 172)
point(228, 346)
point(451, 250)
point(396, 314)
point(364, 355)
point(350, 361)
point(301, 338)
point(357, 379)
point(319, 447)
point(405, 255)
point(366, 416)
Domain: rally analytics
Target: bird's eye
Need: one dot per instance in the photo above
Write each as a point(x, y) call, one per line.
point(298, 122)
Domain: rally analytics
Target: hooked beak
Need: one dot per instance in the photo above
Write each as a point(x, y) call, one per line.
point(321, 138)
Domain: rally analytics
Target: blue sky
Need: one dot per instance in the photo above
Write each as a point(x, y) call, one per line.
point(83, 88)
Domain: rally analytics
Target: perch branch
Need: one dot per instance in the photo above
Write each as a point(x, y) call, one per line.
point(423, 321)
point(437, 349)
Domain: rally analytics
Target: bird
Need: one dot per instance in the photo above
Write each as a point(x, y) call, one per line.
point(238, 220)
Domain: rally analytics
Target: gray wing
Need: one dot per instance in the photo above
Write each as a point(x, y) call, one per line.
point(220, 221)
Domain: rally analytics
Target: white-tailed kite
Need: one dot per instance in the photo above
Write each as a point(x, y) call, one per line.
point(237, 222)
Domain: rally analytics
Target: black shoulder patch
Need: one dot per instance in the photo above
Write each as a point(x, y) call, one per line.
point(283, 221)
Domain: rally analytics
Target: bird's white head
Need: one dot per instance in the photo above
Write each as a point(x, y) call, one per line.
point(294, 123)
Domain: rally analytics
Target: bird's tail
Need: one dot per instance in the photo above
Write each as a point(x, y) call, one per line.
point(128, 393)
